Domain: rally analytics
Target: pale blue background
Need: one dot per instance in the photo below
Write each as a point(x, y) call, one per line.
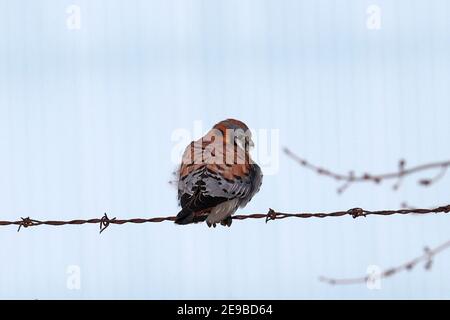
point(86, 119)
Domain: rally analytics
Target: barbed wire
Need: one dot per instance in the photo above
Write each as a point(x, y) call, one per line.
point(104, 222)
point(398, 175)
point(426, 257)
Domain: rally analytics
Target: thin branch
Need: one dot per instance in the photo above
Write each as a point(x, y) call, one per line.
point(398, 175)
point(426, 258)
point(406, 205)
point(105, 221)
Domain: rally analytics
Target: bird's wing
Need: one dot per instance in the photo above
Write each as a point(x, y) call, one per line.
point(253, 182)
point(197, 191)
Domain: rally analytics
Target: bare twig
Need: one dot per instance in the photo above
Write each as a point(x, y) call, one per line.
point(426, 258)
point(104, 222)
point(398, 175)
point(406, 205)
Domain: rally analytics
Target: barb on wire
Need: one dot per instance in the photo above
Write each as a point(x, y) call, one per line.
point(426, 258)
point(104, 222)
point(398, 175)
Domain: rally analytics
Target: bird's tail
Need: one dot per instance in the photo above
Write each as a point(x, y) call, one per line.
point(186, 216)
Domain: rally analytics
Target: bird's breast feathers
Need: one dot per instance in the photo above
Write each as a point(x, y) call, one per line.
point(219, 169)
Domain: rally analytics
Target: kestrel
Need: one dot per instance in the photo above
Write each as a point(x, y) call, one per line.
point(217, 175)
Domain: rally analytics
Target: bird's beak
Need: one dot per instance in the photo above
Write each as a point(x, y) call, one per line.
point(251, 144)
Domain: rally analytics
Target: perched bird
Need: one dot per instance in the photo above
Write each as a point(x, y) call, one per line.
point(217, 175)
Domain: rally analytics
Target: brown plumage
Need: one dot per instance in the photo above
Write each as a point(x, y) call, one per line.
point(217, 175)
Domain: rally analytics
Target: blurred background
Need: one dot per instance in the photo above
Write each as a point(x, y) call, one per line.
point(91, 93)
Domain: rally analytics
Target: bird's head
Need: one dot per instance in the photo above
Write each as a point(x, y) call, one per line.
point(235, 131)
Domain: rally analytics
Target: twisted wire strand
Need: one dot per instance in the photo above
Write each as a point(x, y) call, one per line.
point(104, 222)
point(427, 257)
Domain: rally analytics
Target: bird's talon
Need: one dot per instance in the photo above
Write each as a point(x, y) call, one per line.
point(226, 222)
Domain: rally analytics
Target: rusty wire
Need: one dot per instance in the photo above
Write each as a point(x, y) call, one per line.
point(427, 257)
point(398, 175)
point(104, 222)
